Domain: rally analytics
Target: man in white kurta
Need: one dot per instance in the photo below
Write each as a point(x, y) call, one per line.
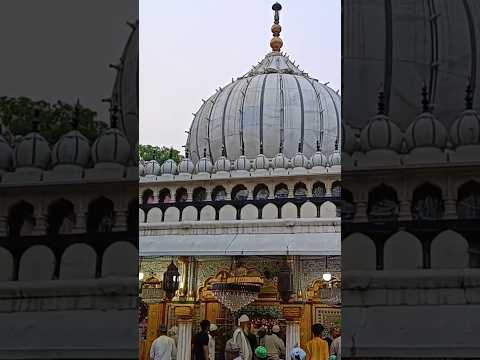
point(163, 347)
point(240, 338)
point(211, 341)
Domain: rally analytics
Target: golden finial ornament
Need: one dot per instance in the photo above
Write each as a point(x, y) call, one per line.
point(276, 43)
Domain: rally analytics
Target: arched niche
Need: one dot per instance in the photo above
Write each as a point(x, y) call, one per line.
point(261, 192)
point(164, 196)
point(37, 264)
point(172, 214)
point(147, 196)
point(468, 201)
point(219, 193)
point(78, 262)
point(328, 210)
point(281, 191)
point(300, 190)
point(120, 259)
point(427, 202)
point(21, 219)
point(319, 189)
point(190, 213)
point(239, 192)
point(358, 253)
point(249, 212)
point(227, 212)
point(154, 215)
point(199, 194)
point(308, 210)
point(181, 195)
point(289, 211)
point(449, 250)
point(61, 217)
point(207, 213)
point(382, 204)
point(402, 251)
point(6, 265)
point(101, 217)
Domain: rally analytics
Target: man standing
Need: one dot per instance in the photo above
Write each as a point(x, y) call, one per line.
point(163, 347)
point(317, 348)
point(240, 337)
point(274, 345)
point(212, 333)
point(336, 347)
point(200, 342)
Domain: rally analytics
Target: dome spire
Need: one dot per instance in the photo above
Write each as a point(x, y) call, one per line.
point(76, 115)
point(276, 43)
point(425, 102)
point(36, 120)
point(469, 97)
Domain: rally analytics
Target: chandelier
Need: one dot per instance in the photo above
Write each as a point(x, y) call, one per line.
point(237, 290)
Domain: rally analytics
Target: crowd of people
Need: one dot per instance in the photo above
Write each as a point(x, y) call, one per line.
point(246, 345)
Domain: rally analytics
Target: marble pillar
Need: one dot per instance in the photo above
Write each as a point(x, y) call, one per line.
point(184, 317)
point(293, 314)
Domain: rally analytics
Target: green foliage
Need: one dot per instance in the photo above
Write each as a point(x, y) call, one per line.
point(150, 152)
point(55, 119)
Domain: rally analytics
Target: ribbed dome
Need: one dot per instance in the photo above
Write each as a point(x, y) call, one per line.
point(335, 158)
point(381, 133)
point(111, 147)
point(281, 161)
point(32, 151)
point(426, 130)
point(72, 149)
point(152, 167)
point(261, 162)
point(169, 167)
point(222, 164)
point(319, 159)
point(6, 154)
point(125, 89)
point(275, 103)
point(186, 166)
point(466, 129)
point(204, 165)
point(242, 163)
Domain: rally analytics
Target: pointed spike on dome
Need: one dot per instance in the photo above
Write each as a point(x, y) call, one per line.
point(276, 43)
point(469, 96)
point(113, 117)
point(425, 102)
point(204, 152)
point(261, 147)
point(381, 103)
point(336, 145)
point(76, 115)
point(280, 150)
point(224, 153)
point(36, 120)
point(318, 145)
point(243, 148)
point(300, 147)
point(187, 152)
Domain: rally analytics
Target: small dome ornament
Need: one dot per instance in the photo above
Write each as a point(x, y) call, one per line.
point(276, 43)
point(169, 167)
point(242, 163)
point(112, 145)
point(186, 166)
point(73, 148)
point(335, 159)
point(152, 167)
point(261, 162)
point(300, 160)
point(33, 150)
point(465, 130)
point(204, 165)
point(222, 164)
point(280, 161)
point(381, 132)
point(319, 158)
point(426, 130)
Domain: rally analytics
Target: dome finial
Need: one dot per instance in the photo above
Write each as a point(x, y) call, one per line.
point(300, 146)
point(204, 152)
point(425, 102)
point(261, 147)
point(187, 153)
point(36, 120)
point(318, 145)
point(224, 152)
point(76, 115)
point(381, 103)
point(113, 117)
point(276, 43)
point(243, 148)
point(469, 96)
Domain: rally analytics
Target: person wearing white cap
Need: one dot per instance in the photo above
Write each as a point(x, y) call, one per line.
point(163, 347)
point(275, 346)
point(211, 341)
point(298, 354)
point(240, 337)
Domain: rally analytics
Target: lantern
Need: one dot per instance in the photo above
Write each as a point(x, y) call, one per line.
point(171, 280)
point(285, 282)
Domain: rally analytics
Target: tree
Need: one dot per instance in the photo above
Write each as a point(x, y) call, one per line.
point(55, 119)
point(160, 154)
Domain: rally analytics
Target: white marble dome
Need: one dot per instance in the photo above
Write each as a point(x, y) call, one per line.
point(152, 167)
point(204, 165)
point(335, 158)
point(6, 154)
point(32, 151)
point(381, 133)
point(186, 166)
point(242, 163)
point(71, 149)
point(281, 161)
point(169, 167)
point(261, 162)
point(222, 164)
point(426, 131)
point(275, 103)
point(465, 130)
point(111, 147)
point(319, 159)
point(299, 160)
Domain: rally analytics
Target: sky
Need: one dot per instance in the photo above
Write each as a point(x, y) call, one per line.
point(189, 48)
point(60, 50)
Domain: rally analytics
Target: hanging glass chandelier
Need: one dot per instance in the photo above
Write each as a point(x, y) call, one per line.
point(238, 289)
